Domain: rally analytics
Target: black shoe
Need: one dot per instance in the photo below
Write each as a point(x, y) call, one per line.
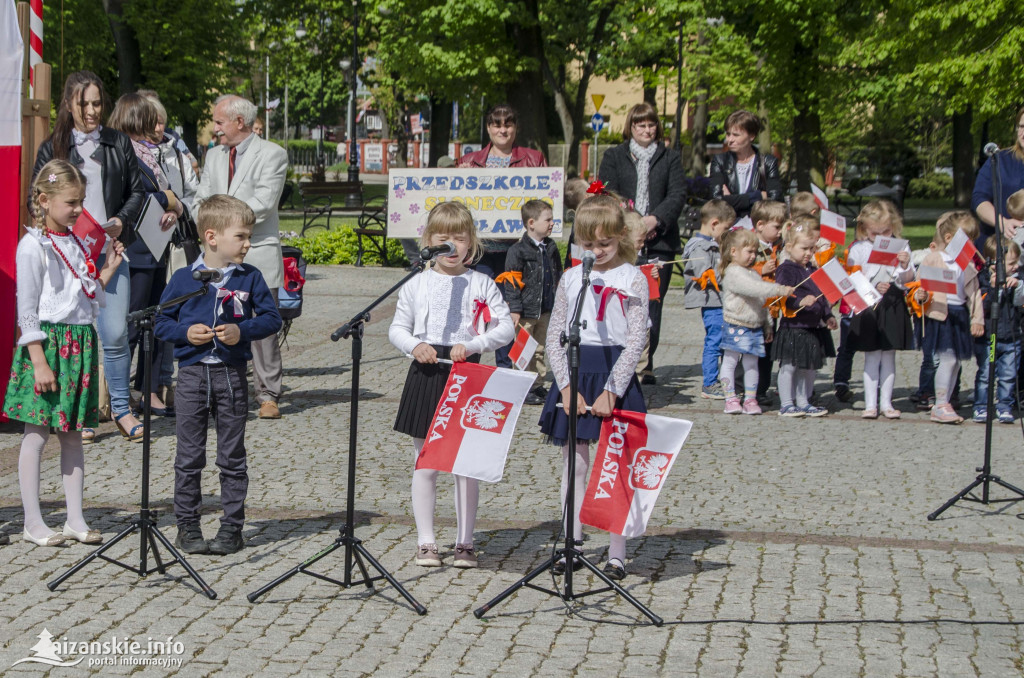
point(648, 379)
point(4, 539)
point(190, 539)
point(228, 540)
point(764, 400)
point(843, 394)
point(613, 571)
point(559, 567)
point(537, 396)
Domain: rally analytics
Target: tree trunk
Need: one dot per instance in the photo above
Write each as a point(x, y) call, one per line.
point(440, 129)
point(561, 107)
point(807, 144)
point(651, 95)
point(190, 135)
point(129, 61)
point(963, 159)
point(526, 92)
point(698, 164)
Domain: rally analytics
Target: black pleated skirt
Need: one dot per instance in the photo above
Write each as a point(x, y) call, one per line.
point(805, 348)
point(886, 327)
point(424, 386)
point(596, 364)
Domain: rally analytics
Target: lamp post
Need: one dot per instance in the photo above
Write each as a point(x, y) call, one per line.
point(353, 154)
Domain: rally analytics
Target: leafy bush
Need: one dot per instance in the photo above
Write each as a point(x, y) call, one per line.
point(340, 245)
point(933, 186)
point(330, 147)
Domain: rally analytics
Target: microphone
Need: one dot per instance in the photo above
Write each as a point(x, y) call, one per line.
point(207, 275)
point(991, 149)
point(588, 263)
point(447, 250)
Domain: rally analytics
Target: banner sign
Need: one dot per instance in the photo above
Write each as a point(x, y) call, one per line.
point(494, 196)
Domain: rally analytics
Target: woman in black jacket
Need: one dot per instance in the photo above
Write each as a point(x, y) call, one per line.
point(742, 175)
point(113, 196)
point(642, 170)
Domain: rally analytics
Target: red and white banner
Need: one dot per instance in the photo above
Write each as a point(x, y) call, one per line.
point(575, 254)
point(474, 421)
point(820, 197)
point(35, 43)
point(864, 294)
point(653, 289)
point(832, 280)
point(962, 250)
point(11, 60)
point(91, 234)
point(884, 251)
point(634, 456)
point(522, 349)
point(833, 227)
point(937, 279)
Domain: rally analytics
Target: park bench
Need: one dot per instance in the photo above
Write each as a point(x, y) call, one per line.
point(373, 225)
point(321, 200)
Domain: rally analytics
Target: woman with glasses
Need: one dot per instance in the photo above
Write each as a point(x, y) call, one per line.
point(642, 170)
point(742, 175)
point(1011, 175)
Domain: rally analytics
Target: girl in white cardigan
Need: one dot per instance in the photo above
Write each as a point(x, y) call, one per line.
point(55, 369)
point(747, 326)
point(447, 312)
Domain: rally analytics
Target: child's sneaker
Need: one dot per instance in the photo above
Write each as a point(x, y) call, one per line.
point(843, 393)
point(732, 405)
point(945, 414)
point(750, 406)
point(925, 403)
point(790, 411)
point(713, 392)
point(465, 556)
point(812, 411)
point(1005, 417)
point(426, 556)
point(980, 415)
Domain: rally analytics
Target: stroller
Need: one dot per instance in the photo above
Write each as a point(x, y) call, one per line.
point(289, 296)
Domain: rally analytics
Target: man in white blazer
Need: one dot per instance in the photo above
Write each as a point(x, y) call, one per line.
point(253, 170)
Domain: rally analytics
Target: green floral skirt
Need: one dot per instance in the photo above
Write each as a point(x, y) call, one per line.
point(71, 354)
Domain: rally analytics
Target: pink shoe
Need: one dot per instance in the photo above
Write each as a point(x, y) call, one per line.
point(945, 414)
point(750, 406)
point(732, 405)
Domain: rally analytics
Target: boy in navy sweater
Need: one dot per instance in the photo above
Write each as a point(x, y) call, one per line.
point(211, 336)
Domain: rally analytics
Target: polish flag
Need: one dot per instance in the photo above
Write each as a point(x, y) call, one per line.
point(832, 280)
point(820, 197)
point(884, 251)
point(575, 254)
point(937, 279)
point(833, 227)
point(962, 250)
point(653, 291)
point(864, 294)
point(474, 421)
point(12, 55)
point(523, 349)
point(91, 234)
point(634, 456)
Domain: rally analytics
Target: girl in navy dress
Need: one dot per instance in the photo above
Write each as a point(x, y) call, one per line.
point(615, 311)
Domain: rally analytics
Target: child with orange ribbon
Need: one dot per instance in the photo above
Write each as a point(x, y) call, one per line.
point(768, 217)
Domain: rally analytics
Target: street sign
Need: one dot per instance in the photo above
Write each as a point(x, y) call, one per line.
point(598, 99)
point(597, 122)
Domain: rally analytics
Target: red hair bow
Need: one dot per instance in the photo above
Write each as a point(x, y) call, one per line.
point(597, 188)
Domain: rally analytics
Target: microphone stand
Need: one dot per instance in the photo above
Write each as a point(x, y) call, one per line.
point(985, 476)
point(146, 522)
point(569, 553)
point(347, 539)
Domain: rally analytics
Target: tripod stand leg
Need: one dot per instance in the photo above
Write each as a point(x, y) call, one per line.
point(360, 550)
point(92, 556)
point(210, 593)
point(149, 530)
point(658, 621)
point(1019, 492)
point(486, 607)
point(960, 495)
point(295, 570)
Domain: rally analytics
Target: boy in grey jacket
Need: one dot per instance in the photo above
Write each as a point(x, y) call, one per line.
point(701, 256)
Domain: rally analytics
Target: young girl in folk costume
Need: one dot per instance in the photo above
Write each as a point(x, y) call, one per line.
point(615, 313)
point(804, 339)
point(55, 372)
point(747, 324)
point(439, 316)
point(950, 320)
point(881, 331)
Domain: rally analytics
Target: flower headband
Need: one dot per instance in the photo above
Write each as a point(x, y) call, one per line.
point(597, 188)
point(52, 178)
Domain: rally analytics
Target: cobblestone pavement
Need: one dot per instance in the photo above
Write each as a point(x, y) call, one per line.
point(778, 547)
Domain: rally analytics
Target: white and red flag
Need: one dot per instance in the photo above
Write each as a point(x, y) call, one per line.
point(522, 349)
point(884, 251)
point(12, 54)
point(634, 456)
point(653, 284)
point(962, 250)
point(819, 197)
point(575, 254)
point(474, 421)
point(864, 294)
point(832, 280)
point(91, 234)
point(833, 227)
point(937, 279)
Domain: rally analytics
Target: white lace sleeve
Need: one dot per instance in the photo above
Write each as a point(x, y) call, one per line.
point(31, 265)
point(552, 345)
point(636, 336)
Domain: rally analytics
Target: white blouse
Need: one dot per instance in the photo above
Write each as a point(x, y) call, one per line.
point(47, 289)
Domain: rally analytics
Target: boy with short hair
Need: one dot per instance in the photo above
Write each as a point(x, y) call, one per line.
point(212, 334)
point(1008, 345)
point(700, 260)
point(532, 271)
point(803, 204)
point(768, 217)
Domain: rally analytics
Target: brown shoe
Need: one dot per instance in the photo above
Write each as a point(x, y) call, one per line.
point(269, 410)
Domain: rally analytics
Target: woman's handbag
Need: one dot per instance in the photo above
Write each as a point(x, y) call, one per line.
point(186, 236)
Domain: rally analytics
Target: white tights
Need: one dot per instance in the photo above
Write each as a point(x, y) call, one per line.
point(424, 497)
point(945, 376)
point(795, 386)
point(879, 379)
point(727, 373)
point(72, 469)
point(617, 544)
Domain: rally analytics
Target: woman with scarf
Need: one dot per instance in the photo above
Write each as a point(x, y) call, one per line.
point(644, 171)
point(136, 116)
